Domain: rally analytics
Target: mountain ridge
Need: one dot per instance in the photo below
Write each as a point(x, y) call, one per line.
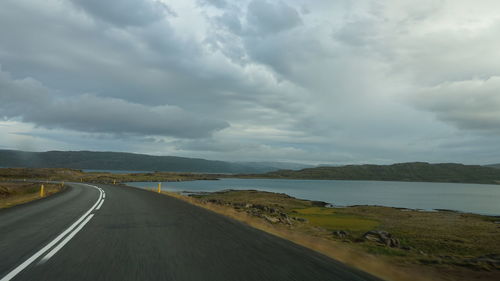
point(412, 171)
point(124, 161)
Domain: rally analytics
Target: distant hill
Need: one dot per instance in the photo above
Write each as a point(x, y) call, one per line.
point(497, 166)
point(277, 165)
point(124, 161)
point(417, 171)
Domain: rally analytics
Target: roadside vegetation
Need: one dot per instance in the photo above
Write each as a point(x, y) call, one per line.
point(15, 193)
point(393, 243)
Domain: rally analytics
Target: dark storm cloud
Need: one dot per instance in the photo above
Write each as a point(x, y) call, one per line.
point(125, 12)
point(266, 17)
point(29, 100)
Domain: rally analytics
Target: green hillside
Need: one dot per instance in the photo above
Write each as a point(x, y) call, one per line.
point(417, 171)
point(122, 161)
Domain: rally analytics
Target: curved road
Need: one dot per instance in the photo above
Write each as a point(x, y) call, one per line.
point(124, 233)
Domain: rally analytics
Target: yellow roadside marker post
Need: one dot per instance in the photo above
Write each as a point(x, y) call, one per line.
point(81, 179)
point(62, 184)
point(114, 181)
point(42, 191)
point(159, 187)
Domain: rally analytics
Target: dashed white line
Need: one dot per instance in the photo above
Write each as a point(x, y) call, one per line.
point(35, 256)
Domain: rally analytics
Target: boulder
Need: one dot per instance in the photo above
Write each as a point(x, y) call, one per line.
point(382, 237)
point(285, 220)
point(340, 234)
point(271, 219)
point(491, 259)
point(318, 203)
point(260, 207)
point(300, 219)
point(274, 210)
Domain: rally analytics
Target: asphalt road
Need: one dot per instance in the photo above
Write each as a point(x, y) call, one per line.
point(140, 235)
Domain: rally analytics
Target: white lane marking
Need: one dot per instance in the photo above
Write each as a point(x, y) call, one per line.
point(35, 256)
point(100, 204)
point(104, 195)
point(66, 240)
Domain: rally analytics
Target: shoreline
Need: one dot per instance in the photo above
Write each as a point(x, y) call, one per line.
point(346, 193)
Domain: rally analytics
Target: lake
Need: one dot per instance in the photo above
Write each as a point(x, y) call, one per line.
point(473, 198)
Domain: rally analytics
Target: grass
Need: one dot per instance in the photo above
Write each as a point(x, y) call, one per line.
point(15, 193)
point(330, 219)
point(456, 236)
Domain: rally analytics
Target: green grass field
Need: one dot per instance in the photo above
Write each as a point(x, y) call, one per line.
point(330, 219)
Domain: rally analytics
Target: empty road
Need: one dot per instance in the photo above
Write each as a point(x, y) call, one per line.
point(103, 232)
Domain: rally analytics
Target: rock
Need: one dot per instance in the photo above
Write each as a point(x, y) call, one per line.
point(382, 237)
point(248, 205)
point(283, 215)
point(258, 206)
point(254, 213)
point(491, 259)
point(285, 220)
point(341, 234)
point(300, 219)
point(394, 243)
point(215, 201)
point(271, 219)
point(318, 203)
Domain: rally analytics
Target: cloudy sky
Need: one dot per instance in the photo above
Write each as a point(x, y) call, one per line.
point(313, 81)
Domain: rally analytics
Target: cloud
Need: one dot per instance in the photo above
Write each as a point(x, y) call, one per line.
point(267, 17)
point(217, 3)
point(29, 100)
point(126, 12)
point(325, 81)
point(470, 105)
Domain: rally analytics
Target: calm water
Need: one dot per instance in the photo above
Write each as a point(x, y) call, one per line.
point(474, 198)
